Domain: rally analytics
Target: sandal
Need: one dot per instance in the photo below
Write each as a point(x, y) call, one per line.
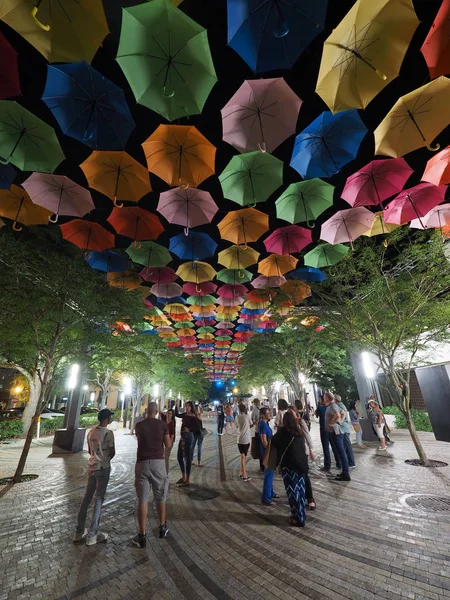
point(311, 506)
point(185, 484)
point(180, 481)
point(277, 496)
point(295, 523)
point(269, 503)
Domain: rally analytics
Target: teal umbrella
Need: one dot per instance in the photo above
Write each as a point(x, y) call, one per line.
point(26, 141)
point(325, 255)
point(149, 254)
point(304, 201)
point(251, 178)
point(166, 59)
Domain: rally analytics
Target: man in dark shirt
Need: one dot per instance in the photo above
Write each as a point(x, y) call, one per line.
point(326, 440)
point(152, 435)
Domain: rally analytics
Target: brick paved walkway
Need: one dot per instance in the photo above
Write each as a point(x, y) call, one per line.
point(362, 542)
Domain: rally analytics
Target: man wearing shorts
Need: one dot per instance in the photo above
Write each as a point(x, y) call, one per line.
point(152, 436)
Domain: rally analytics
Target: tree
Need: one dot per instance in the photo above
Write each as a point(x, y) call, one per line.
point(392, 299)
point(50, 304)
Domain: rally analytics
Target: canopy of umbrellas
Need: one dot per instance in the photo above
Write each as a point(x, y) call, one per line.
point(166, 60)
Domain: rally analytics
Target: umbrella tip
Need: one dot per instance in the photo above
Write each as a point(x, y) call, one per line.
point(34, 12)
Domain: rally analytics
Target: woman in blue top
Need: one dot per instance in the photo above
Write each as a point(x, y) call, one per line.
point(265, 434)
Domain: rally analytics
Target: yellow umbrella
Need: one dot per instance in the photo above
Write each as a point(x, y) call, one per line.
point(297, 290)
point(206, 336)
point(379, 227)
point(227, 310)
point(185, 332)
point(237, 257)
point(128, 280)
point(176, 308)
point(277, 264)
point(365, 52)
point(415, 120)
point(196, 271)
point(196, 308)
point(16, 204)
point(256, 305)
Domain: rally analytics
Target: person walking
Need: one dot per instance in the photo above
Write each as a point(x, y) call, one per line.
point(152, 437)
point(243, 423)
point(229, 420)
point(334, 417)
point(198, 439)
point(265, 435)
point(220, 418)
point(101, 449)
point(282, 406)
point(378, 421)
point(326, 440)
point(171, 426)
point(190, 425)
point(354, 415)
point(346, 425)
point(292, 460)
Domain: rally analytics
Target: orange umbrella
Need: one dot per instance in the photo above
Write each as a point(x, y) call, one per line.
point(180, 155)
point(437, 170)
point(117, 175)
point(201, 309)
point(297, 290)
point(128, 280)
point(277, 264)
point(227, 310)
point(436, 47)
point(16, 204)
point(243, 226)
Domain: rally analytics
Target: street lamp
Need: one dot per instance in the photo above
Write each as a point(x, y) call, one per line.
point(235, 390)
point(367, 364)
point(156, 390)
point(73, 377)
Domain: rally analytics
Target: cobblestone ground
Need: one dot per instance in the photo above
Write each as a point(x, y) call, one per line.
point(363, 541)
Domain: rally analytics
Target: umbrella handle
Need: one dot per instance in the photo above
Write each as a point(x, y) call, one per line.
point(186, 231)
point(116, 203)
point(168, 92)
point(135, 244)
point(16, 227)
point(262, 147)
point(241, 275)
point(34, 12)
point(197, 289)
point(244, 246)
point(4, 161)
point(53, 219)
point(433, 149)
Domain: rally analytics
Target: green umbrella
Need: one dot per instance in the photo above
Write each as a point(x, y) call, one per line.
point(220, 317)
point(26, 141)
point(201, 300)
point(206, 330)
point(325, 255)
point(251, 178)
point(166, 59)
point(183, 324)
point(223, 338)
point(304, 201)
point(149, 254)
point(234, 276)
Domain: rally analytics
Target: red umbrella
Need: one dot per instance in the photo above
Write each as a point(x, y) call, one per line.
point(437, 170)
point(166, 290)
point(231, 291)
point(286, 240)
point(9, 81)
point(87, 235)
point(222, 332)
point(200, 289)
point(377, 181)
point(188, 207)
point(414, 203)
point(436, 47)
point(136, 223)
point(158, 274)
point(204, 322)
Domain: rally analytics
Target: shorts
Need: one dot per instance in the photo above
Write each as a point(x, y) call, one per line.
point(151, 474)
point(229, 419)
point(379, 430)
point(243, 448)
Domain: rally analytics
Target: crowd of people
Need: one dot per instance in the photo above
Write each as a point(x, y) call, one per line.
point(288, 449)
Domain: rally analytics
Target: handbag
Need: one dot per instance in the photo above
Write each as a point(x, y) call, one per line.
point(254, 450)
point(357, 427)
point(270, 461)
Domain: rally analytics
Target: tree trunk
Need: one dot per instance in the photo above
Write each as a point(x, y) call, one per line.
point(35, 396)
point(415, 438)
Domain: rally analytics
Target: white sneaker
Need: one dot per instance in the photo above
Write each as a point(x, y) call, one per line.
point(97, 539)
point(78, 537)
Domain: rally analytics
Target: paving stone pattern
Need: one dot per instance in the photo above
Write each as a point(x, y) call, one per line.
point(364, 541)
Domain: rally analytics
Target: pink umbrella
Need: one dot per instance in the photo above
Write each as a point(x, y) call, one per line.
point(158, 274)
point(347, 225)
point(164, 329)
point(225, 325)
point(223, 332)
point(262, 282)
point(437, 218)
point(200, 289)
point(437, 170)
point(205, 322)
point(414, 203)
point(286, 240)
point(189, 207)
point(146, 302)
point(59, 194)
point(235, 301)
point(260, 115)
point(231, 291)
point(377, 181)
point(166, 290)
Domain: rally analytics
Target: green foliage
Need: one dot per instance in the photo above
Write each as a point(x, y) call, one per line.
point(49, 426)
point(88, 420)
point(420, 418)
point(11, 429)
point(182, 375)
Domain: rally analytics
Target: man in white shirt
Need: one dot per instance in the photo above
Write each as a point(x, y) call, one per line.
point(334, 419)
point(101, 449)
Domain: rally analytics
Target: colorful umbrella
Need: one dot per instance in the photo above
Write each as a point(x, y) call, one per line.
point(225, 325)
point(236, 301)
point(377, 181)
point(438, 217)
point(234, 276)
point(166, 59)
point(128, 280)
point(272, 35)
point(436, 47)
point(58, 194)
point(7, 176)
point(16, 204)
point(10, 81)
point(87, 106)
point(243, 226)
point(260, 115)
point(186, 332)
point(158, 274)
point(308, 274)
point(325, 255)
point(415, 120)
point(117, 175)
point(262, 282)
point(188, 207)
point(251, 178)
point(305, 201)
point(200, 289)
point(196, 272)
point(232, 291)
point(237, 257)
point(327, 144)
point(285, 240)
point(61, 31)
point(414, 203)
point(149, 254)
point(87, 235)
point(26, 141)
point(364, 52)
point(183, 324)
point(346, 225)
point(206, 300)
point(180, 155)
point(135, 223)
point(108, 261)
point(166, 290)
point(379, 227)
point(437, 170)
point(277, 264)
point(194, 246)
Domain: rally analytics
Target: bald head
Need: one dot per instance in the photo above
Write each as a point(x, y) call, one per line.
point(152, 409)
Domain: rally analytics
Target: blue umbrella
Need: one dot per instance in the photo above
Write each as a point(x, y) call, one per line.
point(7, 176)
point(244, 328)
point(108, 261)
point(328, 143)
point(87, 106)
point(307, 274)
point(271, 34)
point(177, 299)
point(194, 246)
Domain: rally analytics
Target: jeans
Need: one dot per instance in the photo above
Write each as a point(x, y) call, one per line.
point(349, 450)
point(185, 453)
point(220, 423)
point(326, 440)
point(339, 441)
point(267, 492)
point(359, 440)
point(97, 484)
point(198, 439)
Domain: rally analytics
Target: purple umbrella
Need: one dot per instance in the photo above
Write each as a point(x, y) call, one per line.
point(260, 115)
point(189, 207)
point(59, 194)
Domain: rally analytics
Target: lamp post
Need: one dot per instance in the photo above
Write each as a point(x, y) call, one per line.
point(127, 391)
point(69, 418)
